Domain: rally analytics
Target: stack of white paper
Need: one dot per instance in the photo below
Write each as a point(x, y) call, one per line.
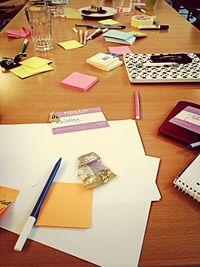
point(120, 208)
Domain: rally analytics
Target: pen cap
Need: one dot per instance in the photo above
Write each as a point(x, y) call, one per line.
point(164, 27)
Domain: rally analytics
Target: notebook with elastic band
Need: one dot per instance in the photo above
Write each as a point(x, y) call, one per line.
point(183, 124)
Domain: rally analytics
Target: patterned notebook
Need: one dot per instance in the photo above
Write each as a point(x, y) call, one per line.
point(139, 73)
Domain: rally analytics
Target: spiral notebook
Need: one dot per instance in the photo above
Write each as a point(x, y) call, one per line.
point(139, 71)
point(189, 180)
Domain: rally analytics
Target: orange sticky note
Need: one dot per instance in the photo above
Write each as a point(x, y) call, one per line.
point(66, 205)
point(7, 197)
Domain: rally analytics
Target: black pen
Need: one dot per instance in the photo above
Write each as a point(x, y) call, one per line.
point(140, 9)
point(103, 26)
point(153, 27)
point(97, 34)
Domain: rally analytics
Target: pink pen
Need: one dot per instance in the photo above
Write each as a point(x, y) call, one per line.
point(85, 37)
point(137, 106)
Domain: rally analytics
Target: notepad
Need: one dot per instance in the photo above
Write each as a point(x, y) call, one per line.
point(115, 36)
point(108, 22)
point(7, 197)
point(189, 180)
point(119, 50)
point(66, 205)
point(79, 81)
point(182, 123)
point(71, 44)
point(104, 61)
point(72, 13)
point(32, 66)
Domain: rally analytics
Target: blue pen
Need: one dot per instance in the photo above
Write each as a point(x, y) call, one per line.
point(194, 145)
point(34, 214)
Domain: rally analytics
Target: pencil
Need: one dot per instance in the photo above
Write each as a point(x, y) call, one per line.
point(75, 30)
point(81, 36)
point(34, 214)
point(85, 37)
point(137, 106)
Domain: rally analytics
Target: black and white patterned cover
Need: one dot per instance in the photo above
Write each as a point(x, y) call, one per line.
point(182, 73)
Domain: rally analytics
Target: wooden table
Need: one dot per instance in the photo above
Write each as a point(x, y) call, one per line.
point(172, 236)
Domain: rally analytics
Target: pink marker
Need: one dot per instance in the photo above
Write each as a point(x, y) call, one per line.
point(137, 106)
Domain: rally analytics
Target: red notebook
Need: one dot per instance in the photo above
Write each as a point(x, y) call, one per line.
point(177, 132)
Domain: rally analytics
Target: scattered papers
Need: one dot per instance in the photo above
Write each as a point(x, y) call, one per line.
point(77, 120)
point(116, 36)
point(66, 205)
point(123, 202)
point(119, 50)
point(23, 32)
point(72, 44)
point(32, 66)
point(104, 61)
point(108, 21)
point(7, 197)
point(79, 81)
point(72, 13)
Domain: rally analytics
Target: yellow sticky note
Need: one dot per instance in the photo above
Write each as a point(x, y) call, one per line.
point(108, 21)
point(24, 71)
point(138, 34)
point(35, 62)
point(7, 197)
point(72, 44)
point(66, 205)
point(72, 13)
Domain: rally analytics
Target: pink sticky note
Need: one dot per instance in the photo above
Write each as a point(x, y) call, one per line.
point(119, 50)
point(23, 32)
point(79, 81)
point(138, 4)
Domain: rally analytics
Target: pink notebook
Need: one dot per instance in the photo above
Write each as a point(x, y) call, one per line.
point(79, 81)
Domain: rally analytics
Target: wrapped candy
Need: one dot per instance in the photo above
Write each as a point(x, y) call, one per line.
point(92, 172)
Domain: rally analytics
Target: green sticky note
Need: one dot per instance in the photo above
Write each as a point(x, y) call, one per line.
point(138, 34)
point(72, 13)
point(108, 21)
point(72, 44)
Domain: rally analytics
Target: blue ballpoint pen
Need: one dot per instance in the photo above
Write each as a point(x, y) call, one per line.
point(34, 214)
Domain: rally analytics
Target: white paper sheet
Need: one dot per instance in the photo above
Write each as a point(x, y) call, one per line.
point(120, 208)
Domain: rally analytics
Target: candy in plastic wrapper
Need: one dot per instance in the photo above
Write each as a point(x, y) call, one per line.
point(92, 172)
